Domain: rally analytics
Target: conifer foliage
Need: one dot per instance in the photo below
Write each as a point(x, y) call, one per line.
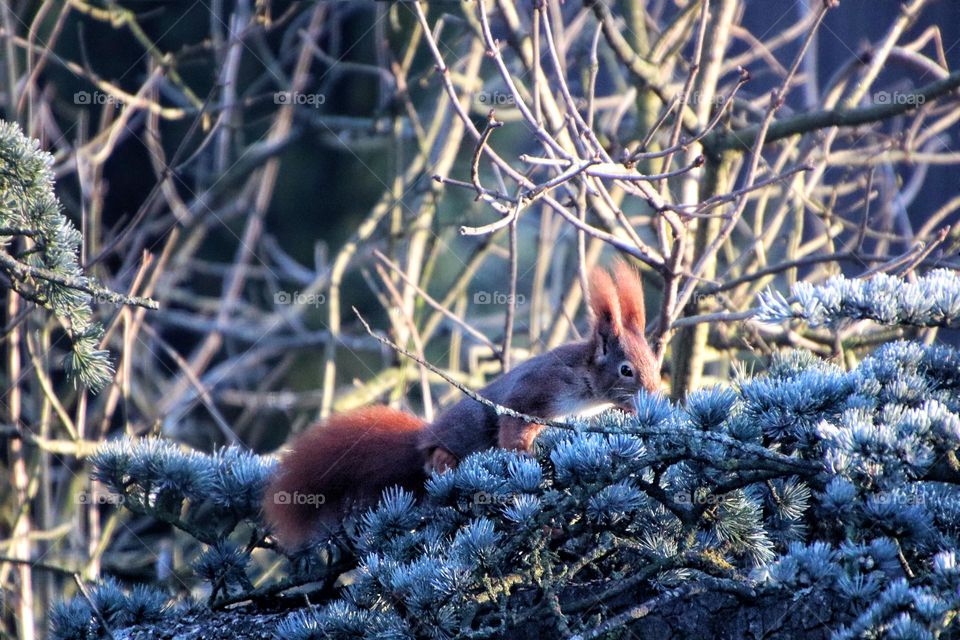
point(930, 301)
point(39, 249)
point(808, 500)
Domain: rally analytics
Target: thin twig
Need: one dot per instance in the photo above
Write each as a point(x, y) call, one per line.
point(500, 409)
point(96, 610)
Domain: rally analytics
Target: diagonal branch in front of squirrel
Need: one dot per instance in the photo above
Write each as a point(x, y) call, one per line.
point(345, 462)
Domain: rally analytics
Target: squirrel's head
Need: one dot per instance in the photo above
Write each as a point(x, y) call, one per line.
point(623, 361)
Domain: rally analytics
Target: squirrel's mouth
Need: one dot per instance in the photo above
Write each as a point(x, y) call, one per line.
point(627, 406)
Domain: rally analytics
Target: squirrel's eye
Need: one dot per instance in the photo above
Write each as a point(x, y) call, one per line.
point(626, 370)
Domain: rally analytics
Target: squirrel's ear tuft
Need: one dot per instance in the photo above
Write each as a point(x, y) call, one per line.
point(630, 289)
point(605, 305)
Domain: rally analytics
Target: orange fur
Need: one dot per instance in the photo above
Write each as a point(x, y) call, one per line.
point(630, 294)
point(604, 302)
point(340, 464)
point(632, 313)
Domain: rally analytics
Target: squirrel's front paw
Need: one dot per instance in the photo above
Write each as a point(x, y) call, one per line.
point(517, 435)
point(440, 461)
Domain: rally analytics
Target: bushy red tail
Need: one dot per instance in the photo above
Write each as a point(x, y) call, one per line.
point(341, 463)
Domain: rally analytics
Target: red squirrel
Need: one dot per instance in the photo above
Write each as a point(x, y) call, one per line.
point(347, 461)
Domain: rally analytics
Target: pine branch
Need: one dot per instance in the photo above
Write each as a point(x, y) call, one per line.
point(24, 271)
